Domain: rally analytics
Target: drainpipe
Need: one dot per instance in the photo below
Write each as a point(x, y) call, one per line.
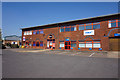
point(58, 36)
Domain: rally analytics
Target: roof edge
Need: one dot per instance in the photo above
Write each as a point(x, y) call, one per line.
point(72, 20)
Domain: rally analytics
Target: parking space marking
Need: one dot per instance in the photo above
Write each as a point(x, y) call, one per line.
point(91, 54)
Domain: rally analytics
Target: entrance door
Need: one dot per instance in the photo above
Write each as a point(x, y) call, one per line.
point(114, 44)
point(51, 43)
point(67, 45)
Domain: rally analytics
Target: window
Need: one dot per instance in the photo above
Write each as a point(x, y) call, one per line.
point(41, 31)
point(25, 33)
point(67, 29)
point(62, 30)
point(34, 32)
point(37, 32)
point(96, 26)
point(41, 43)
point(88, 44)
point(113, 23)
point(37, 44)
point(30, 33)
point(96, 44)
point(34, 43)
point(47, 44)
point(61, 44)
point(73, 44)
point(73, 28)
point(89, 27)
point(81, 28)
point(30, 44)
point(82, 44)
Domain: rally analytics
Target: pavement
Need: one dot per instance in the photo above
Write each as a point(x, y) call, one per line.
point(57, 64)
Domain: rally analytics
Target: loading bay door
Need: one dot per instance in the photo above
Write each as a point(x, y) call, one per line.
point(114, 44)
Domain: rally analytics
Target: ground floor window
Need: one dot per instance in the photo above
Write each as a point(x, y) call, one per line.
point(61, 44)
point(82, 44)
point(30, 44)
point(34, 43)
point(41, 43)
point(37, 44)
point(73, 43)
point(96, 44)
point(89, 44)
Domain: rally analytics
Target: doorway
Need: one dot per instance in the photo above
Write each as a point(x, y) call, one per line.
point(67, 45)
point(51, 43)
point(114, 44)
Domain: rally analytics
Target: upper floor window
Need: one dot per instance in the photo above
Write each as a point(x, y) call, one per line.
point(96, 25)
point(81, 27)
point(68, 28)
point(89, 26)
point(38, 31)
point(34, 32)
point(27, 32)
point(73, 28)
point(113, 23)
point(41, 31)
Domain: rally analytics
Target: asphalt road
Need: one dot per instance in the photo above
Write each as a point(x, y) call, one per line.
point(40, 65)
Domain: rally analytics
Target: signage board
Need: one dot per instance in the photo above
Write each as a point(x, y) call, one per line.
point(88, 32)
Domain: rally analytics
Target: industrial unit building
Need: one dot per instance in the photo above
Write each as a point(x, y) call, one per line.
point(90, 34)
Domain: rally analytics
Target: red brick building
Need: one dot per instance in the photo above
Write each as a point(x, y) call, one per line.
point(90, 34)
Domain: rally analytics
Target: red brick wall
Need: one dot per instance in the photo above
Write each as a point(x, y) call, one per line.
point(76, 35)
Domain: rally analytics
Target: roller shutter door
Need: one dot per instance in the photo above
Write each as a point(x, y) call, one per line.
point(114, 44)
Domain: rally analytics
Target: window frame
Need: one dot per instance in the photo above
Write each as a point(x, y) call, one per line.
point(92, 44)
point(37, 31)
point(96, 42)
point(113, 21)
point(74, 43)
point(89, 24)
point(62, 43)
point(96, 23)
point(68, 26)
point(40, 43)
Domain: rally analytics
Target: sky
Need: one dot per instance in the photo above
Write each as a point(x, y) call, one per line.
point(17, 15)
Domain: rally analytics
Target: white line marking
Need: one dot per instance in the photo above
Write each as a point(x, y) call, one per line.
point(92, 54)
